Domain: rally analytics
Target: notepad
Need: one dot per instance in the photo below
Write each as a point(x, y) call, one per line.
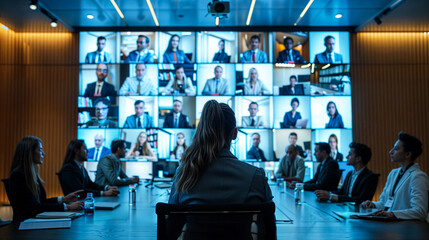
point(34, 223)
point(163, 185)
point(106, 205)
point(57, 215)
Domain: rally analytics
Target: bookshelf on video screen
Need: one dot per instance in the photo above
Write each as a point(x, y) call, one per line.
point(284, 87)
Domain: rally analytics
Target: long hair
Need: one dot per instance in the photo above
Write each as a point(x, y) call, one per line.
point(175, 84)
point(177, 145)
point(170, 48)
point(249, 77)
point(23, 159)
point(145, 148)
point(336, 109)
point(71, 148)
point(214, 132)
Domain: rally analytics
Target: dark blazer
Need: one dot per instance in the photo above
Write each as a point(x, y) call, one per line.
point(107, 90)
point(288, 121)
point(326, 177)
point(180, 56)
point(336, 122)
point(221, 57)
point(363, 188)
point(253, 153)
point(24, 203)
point(287, 90)
point(339, 157)
point(284, 58)
point(72, 179)
point(104, 151)
point(321, 58)
point(132, 57)
point(169, 121)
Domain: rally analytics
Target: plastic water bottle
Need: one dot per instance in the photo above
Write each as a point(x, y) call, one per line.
point(132, 194)
point(298, 193)
point(89, 204)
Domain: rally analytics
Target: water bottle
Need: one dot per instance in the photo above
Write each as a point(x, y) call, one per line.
point(89, 204)
point(132, 194)
point(298, 193)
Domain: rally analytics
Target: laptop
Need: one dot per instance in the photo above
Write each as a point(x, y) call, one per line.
point(106, 205)
point(301, 123)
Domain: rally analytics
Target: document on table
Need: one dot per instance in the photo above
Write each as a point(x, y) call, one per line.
point(56, 215)
point(355, 215)
point(34, 223)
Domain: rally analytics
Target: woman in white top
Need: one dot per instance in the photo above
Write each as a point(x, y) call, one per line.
point(253, 85)
point(180, 147)
point(180, 85)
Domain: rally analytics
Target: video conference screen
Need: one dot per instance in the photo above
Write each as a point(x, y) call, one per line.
point(150, 87)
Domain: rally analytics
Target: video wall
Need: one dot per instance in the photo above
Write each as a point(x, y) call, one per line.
point(150, 87)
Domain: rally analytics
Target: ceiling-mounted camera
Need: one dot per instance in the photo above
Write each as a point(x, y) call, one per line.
point(218, 8)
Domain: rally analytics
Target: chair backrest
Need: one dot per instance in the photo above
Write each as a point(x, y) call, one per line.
point(244, 221)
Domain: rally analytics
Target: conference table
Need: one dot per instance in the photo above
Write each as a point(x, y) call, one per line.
point(310, 220)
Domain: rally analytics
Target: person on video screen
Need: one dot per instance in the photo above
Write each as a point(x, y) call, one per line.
point(252, 121)
point(291, 117)
point(101, 114)
point(141, 148)
point(255, 152)
point(173, 54)
point(140, 119)
point(142, 53)
point(221, 56)
point(289, 55)
point(293, 138)
point(176, 119)
point(253, 85)
point(329, 56)
point(293, 88)
point(138, 85)
point(218, 85)
point(99, 151)
point(254, 55)
point(335, 154)
point(291, 167)
point(100, 88)
point(179, 148)
point(335, 119)
point(99, 55)
point(180, 84)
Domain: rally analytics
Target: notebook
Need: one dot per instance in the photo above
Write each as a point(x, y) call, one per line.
point(106, 205)
point(163, 185)
point(35, 223)
point(57, 215)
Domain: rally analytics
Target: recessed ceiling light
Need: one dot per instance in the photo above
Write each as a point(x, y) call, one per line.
point(90, 16)
point(54, 23)
point(339, 15)
point(33, 5)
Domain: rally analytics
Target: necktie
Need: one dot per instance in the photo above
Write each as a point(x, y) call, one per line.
point(329, 58)
point(253, 56)
point(293, 90)
point(217, 84)
point(138, 87)
point(83, 173)
point(96, 155)
point(253, 122)
point(175, 57)
point(139, 123)
point(290, 56)
point(176, 122)
point(98, 60)
point(138, 58)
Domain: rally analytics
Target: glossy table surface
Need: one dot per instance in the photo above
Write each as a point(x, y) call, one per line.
point(310, 220)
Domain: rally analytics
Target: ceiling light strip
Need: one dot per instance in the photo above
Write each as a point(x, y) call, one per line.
point(249, 16)
point(217, 21)
point(153, 13)
point(117, 8)
point(303, 12)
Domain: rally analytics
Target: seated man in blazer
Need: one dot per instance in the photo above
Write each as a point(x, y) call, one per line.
point(140, 119)
point(216, 86)
point(293, 88)
point(289, 55)
point(99, 56)
point(221, 56)
point(254, 55)
point(329, 56)
point(142, 54)
point(405, 195)
point(252, 121)
point(360, 184)
point(73, 175)
point(255, 152)
point(99, 151)
point(100, 88)
point(176, 119)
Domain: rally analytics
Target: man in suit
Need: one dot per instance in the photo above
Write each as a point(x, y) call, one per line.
point(291, 167)
point(101, 106)
point(140, 119)
point(254, 55)
point(405, 195)
point(142, 54)
point(216, 86)
point(293, 88)
point(289, 55)
point(360, 184)
point(109, 169)
point(176, 119)
point(328, 173)
point(221, 56)
point(138, 85)
point(293, 138)
point(73, 175)
point(99, 56)
point(252, 121)
point(255, 152)
point(329, 56)
point(100, 88)
point(99, 151)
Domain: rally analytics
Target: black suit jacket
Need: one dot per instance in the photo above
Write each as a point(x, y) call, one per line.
point(283, 57)
point(253, 153)
point(363, 188)
point(339, 157)
point(24, 204)
point(287, 90)
point(169, 121)
point(107, 90)
point(326, 177)
point(72, 179)
point(221, 57)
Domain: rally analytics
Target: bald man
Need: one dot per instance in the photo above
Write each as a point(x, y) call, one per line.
point(99, 151)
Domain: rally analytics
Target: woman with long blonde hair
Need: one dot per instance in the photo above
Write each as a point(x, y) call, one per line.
point(141, 148)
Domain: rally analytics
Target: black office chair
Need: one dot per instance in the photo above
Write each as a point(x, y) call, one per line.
point(242, 221)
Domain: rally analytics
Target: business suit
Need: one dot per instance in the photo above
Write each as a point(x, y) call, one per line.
point(260, 57)
point(322, 58)
point(410, 199)
point(339, 157)
point(131, 121)
point(289, 121)
point(363, 188)
point(24, 204)
point(221, 57)
point(146, 58)
point(254, 153)
point(284, 57)
point(104, 151)
point(73, 178)
point(259, 88)
point(107, 90)
point(92, 56)
point(168, 57)
point(287, 90)
point(295, 169)
point(326, 177)
point(108, 170)
point(169, 121)
point(336, 122)
point(247, 122)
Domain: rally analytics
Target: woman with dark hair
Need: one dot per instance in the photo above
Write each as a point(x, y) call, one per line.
point(26, 193)
point(180, 147)
point(335, 119)
point(209, 173)
point(141, 149)
point(333, 143)
point(180, 84)
point(290, 118)
point(173, 54)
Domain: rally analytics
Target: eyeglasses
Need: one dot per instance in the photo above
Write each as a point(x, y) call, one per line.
point(101, 109)
point(102, 70)
point(140, 42)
